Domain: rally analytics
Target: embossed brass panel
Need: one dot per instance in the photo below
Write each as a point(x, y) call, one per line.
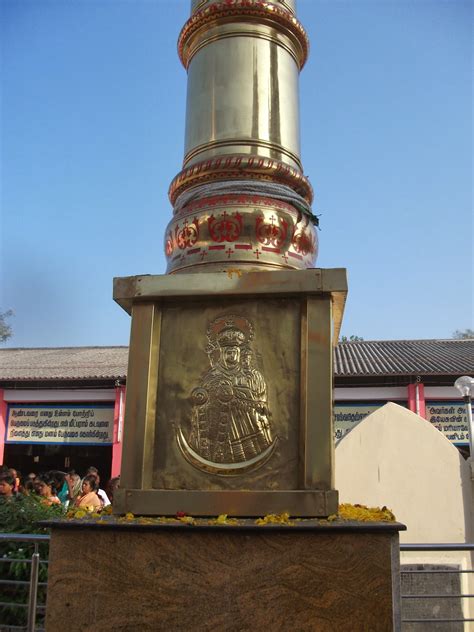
point(230, 393)
point(227, 402)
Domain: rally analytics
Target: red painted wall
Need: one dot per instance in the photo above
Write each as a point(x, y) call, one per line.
point(119, 412)
point(3, 424)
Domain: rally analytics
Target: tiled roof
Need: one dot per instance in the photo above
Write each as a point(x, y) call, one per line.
point(64, 363)
point(404, 357)
point(363, 358)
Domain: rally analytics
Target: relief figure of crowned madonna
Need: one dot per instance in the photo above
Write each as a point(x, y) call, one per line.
point(230, 419)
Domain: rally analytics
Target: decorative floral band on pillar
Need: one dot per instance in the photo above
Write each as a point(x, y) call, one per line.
point(241, 230)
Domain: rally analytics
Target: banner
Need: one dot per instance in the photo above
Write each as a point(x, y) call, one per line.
point(450, 418)
point(78, 424)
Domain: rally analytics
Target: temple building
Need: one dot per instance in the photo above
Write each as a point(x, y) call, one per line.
point(63, 408)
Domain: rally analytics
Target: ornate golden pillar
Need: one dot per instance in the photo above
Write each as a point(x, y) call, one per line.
point(229, 389)
point(241, 199)
point(229, 384)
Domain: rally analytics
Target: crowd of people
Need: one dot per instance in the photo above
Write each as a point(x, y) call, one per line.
point(67, 489)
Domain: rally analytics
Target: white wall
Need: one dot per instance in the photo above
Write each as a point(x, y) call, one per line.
point(395, 458)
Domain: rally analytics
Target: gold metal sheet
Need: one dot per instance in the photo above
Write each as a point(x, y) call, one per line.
point(317, 448)
point(307, 503)
point(246, 104)
point(197, 5)
point(239, 231)
point(234, 282)
point(246, 355)
point(139, 429)
point(196, 368)
point(238, 167)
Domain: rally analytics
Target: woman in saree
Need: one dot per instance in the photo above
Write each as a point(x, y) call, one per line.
point(88, 498)
point(44, 487)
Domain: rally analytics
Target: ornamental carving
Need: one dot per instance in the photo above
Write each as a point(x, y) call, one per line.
point(225, 227)
point(231, 167)
point(279, 17)
point(230, 430)
point(304, 242)
point(188, 235)
point(271, 233)
point(169, 244)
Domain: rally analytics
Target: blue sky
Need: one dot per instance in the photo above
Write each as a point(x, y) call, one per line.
point(92, 133)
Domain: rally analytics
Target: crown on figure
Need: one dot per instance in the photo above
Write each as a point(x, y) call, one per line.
point(231, 337)
point(229, 331)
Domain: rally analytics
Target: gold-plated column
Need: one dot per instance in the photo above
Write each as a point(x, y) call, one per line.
point(253, 112)
point(243, 59)
point(244, 424)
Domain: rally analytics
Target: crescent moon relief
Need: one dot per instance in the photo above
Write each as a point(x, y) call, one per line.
point(230, 426)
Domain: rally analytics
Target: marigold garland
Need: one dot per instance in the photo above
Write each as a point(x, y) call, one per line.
point(365, 514)
point(283, 518)
point(346, 513)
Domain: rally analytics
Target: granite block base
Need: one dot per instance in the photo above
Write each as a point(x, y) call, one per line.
point(107, 578)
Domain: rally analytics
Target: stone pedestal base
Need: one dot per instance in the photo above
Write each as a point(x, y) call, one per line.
point(307, 577)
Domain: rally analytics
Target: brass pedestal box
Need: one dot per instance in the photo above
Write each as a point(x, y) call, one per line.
point(229, 393)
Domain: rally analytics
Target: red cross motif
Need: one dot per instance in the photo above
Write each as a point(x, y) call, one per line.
point(187, 236)
point(273, 233)
point(225, 227)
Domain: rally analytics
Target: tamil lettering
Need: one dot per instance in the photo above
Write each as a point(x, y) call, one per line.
point(80, 424)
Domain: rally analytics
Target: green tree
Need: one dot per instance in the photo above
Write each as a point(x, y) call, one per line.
point(5, 329)
point(464, 334)
point(351, 338)
point(22, 515)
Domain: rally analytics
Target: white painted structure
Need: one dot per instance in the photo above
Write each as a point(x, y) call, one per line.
point(395, 458)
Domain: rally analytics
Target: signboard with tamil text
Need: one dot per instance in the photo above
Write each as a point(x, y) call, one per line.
point(78, 424)
point(346, 416)
point(450, 418)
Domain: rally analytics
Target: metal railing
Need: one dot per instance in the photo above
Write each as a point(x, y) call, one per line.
point(31, 585)
point(445, 568)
